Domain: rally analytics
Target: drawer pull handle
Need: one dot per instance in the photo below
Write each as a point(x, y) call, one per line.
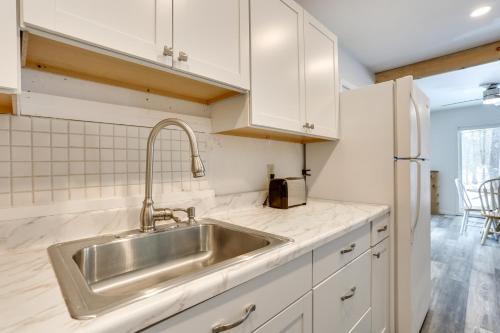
point(226, 327)
point(349, 249)
point(384, 228)
point(349, 294)
point(377, 254)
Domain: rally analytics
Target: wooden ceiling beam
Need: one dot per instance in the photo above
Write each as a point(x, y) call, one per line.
point(447, 63)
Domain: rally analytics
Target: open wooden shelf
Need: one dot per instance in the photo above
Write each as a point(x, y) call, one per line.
point(53, 56)
point(269, 134)
point(6, 105)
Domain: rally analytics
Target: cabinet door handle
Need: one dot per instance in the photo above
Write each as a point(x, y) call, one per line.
point(226, 327)
point(311, 126)
point(349, 294)
point(168, 51)
point(182, 56)
point(349, 249)
point(306, 125)
point(384, 228)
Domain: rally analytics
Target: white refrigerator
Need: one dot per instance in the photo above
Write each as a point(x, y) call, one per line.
point(382, 157)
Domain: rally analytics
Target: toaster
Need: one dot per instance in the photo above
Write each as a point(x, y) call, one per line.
point(287, 192)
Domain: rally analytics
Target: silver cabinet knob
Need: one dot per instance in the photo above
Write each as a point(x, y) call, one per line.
point(168, 51)
point(306, 125)
point(311, 126)
point(182, 56)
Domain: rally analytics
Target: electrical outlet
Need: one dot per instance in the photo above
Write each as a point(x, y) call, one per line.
point(270, 171)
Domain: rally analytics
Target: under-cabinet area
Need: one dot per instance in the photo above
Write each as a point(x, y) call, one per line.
point(267, 68)
point(342, 285)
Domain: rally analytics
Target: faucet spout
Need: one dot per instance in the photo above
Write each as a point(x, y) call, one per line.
point(149, 215)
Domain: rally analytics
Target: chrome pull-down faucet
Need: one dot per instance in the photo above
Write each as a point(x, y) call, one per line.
point(149, 214)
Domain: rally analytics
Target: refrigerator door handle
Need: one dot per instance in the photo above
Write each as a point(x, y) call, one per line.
point(419, 130)
point(419, 189)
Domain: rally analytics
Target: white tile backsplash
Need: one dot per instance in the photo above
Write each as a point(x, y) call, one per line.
point(20, 123)
point(59, 126)
point(41, 124)
point(5, 169)
point(59, 140)
point(21, 154)
point(4, 138)
point(41, 139)
point(4, 153)
point(22, 169)
point(5, 123)
point(44, 160)
point(76, 127)
point(22, 184)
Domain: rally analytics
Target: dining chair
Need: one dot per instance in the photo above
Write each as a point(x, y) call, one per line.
point(489, 195)
point(467, 205)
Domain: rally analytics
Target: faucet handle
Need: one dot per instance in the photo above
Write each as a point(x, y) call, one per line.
point(190, 211)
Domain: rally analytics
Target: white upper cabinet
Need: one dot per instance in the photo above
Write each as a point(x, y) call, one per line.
point(207, 38)
point(277, 93)
point(322, 83)
point(211, 39)
point(139, 28)
point(9, 57)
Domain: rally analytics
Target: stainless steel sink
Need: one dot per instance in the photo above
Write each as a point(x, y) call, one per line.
point(99, 274)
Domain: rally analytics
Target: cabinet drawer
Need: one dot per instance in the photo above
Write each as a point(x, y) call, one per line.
point(270, 293)
point(342, 299)
point(380, 228)
point(364, 324)
point(297, 318)
point(331, 257)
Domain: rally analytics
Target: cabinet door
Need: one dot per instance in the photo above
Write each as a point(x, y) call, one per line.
point(297, 318)
point(277, 94)
point(140, 28)
point(341, 300)
point(380, 287)
point(321, 78)
point(215, 37)
point(9, 64)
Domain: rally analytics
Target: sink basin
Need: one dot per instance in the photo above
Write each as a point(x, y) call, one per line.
point(102, 273)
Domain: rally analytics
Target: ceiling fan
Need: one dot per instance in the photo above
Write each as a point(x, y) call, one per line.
point(491, 95)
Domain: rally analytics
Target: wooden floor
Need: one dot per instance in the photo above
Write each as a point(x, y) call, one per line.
point(465, 280)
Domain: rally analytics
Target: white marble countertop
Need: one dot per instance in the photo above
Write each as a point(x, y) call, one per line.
point(30, 299)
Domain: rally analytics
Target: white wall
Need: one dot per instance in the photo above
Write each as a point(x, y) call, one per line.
point(444, 146)
point(352, 71)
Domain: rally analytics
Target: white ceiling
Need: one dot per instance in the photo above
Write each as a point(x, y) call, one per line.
point(459, 86)
point(385, 34)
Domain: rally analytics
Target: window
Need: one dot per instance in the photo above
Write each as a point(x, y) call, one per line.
point(479, 157)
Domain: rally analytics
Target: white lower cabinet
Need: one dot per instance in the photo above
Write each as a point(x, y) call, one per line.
point(297, 318)
point(380, 287)
point(338, 287)
point(341, 300)
point(364, 325)
point(252, 303)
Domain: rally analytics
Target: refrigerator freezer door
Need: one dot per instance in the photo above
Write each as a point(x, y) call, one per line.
point(412, 115)
point(413, 258)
